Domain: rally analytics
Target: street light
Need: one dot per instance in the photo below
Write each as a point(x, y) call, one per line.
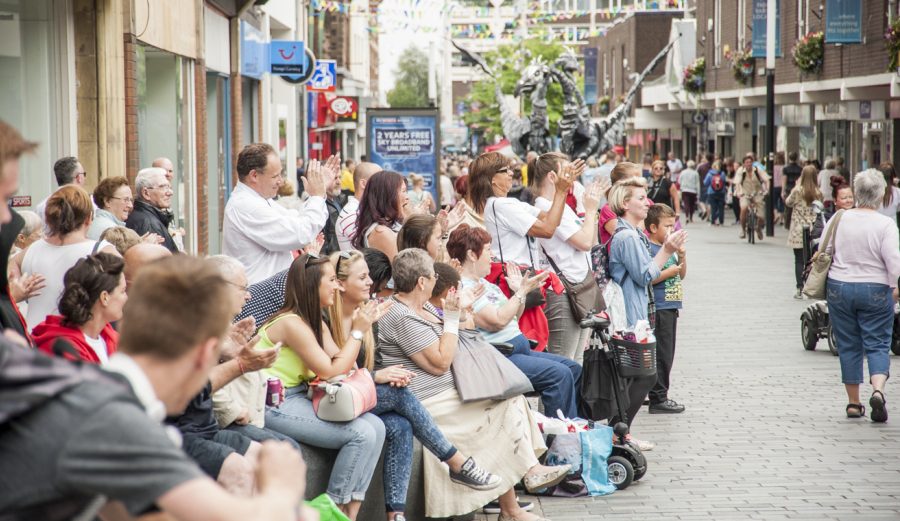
point(770, 114)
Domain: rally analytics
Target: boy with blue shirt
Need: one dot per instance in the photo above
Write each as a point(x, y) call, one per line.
point(667, 294)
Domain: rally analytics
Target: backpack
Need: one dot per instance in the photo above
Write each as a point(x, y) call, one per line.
point(718, 183)
point(600, 263)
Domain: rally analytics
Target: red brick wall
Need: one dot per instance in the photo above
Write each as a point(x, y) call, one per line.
point(132, 153)
point(202, 161)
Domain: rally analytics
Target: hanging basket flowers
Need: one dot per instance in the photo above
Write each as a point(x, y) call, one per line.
point(743, 65)
point(809, 53)
point(892, 44)
point(603, 103)
point(694, 80)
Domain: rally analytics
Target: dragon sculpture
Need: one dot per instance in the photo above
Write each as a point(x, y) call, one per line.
point(525, 134)
point(579, 136)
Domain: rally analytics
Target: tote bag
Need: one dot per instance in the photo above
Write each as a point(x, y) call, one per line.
point(816, 280)
point(482, 373)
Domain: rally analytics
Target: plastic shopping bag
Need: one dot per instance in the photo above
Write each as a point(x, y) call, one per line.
point(326, 508)
point(596, 446)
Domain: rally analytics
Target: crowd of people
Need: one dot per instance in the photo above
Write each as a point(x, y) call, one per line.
point(363, 277)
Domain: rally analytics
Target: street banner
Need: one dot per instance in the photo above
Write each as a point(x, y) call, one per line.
point(759, 29)
point(590, 75)
point(843, 21)
point(287, 57)
point(324, 78)
point(406, 141)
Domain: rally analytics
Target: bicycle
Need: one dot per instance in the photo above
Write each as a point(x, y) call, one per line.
point(754, 221)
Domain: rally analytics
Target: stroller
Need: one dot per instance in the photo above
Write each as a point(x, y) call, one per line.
point(626, 463)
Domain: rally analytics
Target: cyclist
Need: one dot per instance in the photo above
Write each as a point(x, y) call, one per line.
point(751, 183)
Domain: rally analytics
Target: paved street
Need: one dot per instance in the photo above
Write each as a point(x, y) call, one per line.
point(764, 435)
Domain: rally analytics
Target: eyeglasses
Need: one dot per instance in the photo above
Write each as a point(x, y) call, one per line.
point(245, 288)
point(505, 170)
point(164, 186)
point(310, 257)
point(344, 255)
point(126, 200)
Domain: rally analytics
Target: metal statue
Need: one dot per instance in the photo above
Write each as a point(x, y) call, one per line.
point(581, 137)
point(525, 134)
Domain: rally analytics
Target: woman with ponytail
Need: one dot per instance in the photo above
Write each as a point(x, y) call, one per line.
point(92, 299)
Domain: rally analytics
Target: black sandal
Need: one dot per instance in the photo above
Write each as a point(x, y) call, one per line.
point(860, 410)
point(879, 411)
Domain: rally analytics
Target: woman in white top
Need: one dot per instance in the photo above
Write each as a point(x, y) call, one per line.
point(418, 197)
point(891, 201)
point(512, 223)
point(382, 211)
point(569, 249)
point(68, 216)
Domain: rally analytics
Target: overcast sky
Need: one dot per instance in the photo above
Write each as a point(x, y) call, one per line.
point(403, 22)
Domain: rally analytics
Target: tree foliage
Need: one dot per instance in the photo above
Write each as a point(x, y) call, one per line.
point(411, 86)
point(508, 62)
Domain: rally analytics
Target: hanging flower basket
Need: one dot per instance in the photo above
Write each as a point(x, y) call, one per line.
point(892, 44)
point(743, 65)
point(694, 80)
point(809, 53)
point(603, 104)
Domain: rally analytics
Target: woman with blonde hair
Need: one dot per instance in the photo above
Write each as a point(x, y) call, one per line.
point(804, 213)
point(402, 413)
point(419, 199)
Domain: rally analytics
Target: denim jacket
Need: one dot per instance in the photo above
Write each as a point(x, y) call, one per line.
point(632, 267)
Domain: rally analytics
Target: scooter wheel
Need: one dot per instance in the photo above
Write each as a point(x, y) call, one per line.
point(808, 335)
point(620, 471)
point(832, 342)
point(640, 474)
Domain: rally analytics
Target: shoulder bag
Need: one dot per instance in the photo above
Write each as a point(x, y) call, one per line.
point(816, 280)
point(584, 297)
point(343, 398)
point(480, 372)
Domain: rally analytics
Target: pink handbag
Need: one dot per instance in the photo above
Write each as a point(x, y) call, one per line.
point(344, 397)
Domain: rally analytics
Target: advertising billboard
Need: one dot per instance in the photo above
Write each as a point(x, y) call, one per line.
point(406, 141)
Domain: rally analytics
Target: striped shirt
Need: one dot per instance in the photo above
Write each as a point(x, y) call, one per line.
point(401, 334)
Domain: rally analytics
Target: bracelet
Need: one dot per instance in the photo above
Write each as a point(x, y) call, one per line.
point(451, 322)
point(520, 297)
point(241, 366)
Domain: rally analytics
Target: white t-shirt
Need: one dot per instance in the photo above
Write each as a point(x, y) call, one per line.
point(572, 262)
point(345, 227)
point(891, 209)
point(100, 348)
point(825, 183)
point(515, 219)
point(675, 166)
point(448, 194)
point(52, 262)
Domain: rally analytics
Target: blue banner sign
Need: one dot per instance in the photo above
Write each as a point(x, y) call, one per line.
point(591, 81)
point(759, 28)
point(254, 51)
point(843, 21)
point(287, 57)
point(406, 141)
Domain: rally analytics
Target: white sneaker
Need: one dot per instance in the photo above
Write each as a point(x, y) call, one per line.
point(644, 445)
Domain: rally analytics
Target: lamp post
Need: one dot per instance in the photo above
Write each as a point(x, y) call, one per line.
point(770, 114)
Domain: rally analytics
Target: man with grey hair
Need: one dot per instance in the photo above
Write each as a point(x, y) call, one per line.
point(154, 197)
point(67, 171)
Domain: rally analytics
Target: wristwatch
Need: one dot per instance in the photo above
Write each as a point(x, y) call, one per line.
point(356, 335)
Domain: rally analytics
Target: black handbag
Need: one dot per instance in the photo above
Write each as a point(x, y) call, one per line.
point(585, 298)
point(597, 400)
point(535, 297)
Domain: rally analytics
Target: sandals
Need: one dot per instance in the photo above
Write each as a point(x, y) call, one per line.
point(856, 410)
point(879, 411)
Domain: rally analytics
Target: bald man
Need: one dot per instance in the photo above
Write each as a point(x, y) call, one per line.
point(165, 164)
point(346, 221)
point(139, 256)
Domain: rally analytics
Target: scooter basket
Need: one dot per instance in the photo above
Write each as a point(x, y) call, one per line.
point(634, 359)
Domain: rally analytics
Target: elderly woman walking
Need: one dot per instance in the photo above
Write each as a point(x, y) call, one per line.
point(861, 281)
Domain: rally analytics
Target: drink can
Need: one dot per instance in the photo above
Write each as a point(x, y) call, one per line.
point(274, 392)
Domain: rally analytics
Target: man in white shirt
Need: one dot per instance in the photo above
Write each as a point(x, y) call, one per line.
point(346, 222)
point(259, 232)
point(675, 166)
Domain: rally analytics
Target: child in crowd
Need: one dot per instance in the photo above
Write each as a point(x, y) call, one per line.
point(667, 294)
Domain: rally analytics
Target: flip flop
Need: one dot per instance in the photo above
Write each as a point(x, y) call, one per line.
point(879, 411)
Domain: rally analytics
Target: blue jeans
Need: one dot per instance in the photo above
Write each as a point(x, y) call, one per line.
point(862, 318)
point(404, 416)
point(358, 442)
point(556, 377)
point(717, 204)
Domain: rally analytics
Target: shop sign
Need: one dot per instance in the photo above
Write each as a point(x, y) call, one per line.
point(345, 108)
point(760, 8)
point(309, 65)
point(843, 21)
point(254, 51)
point(406, 141)
point(591, 79)
point(19, 201)
point(287, 57)
point(324, 77)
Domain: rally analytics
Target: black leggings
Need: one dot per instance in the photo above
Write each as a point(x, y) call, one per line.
point(799, 264)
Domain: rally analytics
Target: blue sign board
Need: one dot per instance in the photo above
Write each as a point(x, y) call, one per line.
point(759, 28)
point(287, 57)
point(843, 21)
point(406, 141)
point(324, 78)
point(591, 82)
point(254, 51)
